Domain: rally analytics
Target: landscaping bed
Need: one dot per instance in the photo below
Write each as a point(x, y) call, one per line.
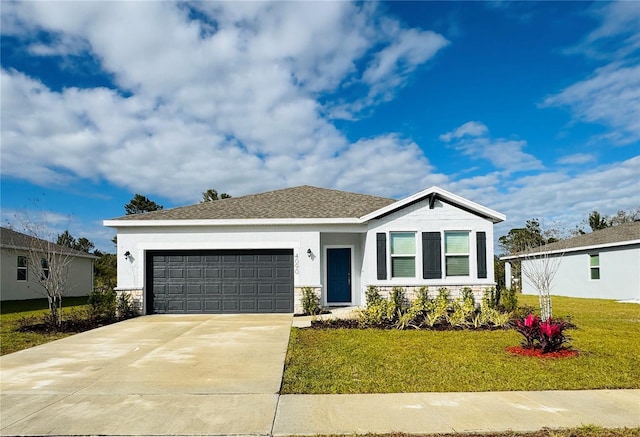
point(390, 360)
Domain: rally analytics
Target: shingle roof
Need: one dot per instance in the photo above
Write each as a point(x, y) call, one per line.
point(614, 235)
point(17, 240)
point(297, 202)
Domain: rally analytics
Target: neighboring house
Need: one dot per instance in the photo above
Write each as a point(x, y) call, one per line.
point(603, 264)
point(17, 281)
point(255, 253)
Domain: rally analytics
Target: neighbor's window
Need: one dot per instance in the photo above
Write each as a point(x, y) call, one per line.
point(22, 268)
point(45, 268)
point(456, 246)
point(403, 254)
point(594, 266)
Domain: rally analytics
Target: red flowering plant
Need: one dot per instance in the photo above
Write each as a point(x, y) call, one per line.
point(549, 335)
point(552, 335)
point(529, 328)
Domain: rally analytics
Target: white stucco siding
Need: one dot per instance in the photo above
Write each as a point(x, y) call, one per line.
point(79, 283)
point(137, 241)
point(419, 218)
point(619, 274)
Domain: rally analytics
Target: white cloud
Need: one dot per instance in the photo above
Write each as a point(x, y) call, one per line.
point(472, 139)
point(470, 128)
point(231, 99)
point(577, 159)
point(558, 197)
point(610, 97)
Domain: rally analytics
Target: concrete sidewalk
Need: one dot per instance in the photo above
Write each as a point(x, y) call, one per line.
point(455, 412)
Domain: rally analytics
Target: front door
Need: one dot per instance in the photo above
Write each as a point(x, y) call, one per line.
point(339, 275)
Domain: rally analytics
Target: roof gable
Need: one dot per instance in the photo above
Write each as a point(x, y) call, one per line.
point(304, 202)
point(433, 194)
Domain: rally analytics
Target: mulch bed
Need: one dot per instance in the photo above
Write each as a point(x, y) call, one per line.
point(353, 324)
point(537, 352)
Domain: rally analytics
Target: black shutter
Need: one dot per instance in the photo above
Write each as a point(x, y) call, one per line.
point(431, 255)
point(481, 247)
point(381, 246)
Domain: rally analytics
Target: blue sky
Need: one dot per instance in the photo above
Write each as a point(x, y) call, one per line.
point(529, 108)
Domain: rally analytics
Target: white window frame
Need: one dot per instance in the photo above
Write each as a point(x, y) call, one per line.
point(44, 265)
point(593, 268)
point(414, 255)
point(446, 254)
point(24, 268)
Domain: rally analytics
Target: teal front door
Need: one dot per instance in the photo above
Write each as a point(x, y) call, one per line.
point(339, 275)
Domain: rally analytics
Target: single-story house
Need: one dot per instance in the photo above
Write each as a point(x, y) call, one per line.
point(603, 264)
point(19, 250)
point(256, 253)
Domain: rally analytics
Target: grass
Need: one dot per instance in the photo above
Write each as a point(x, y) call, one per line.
point(375, 361)
point(583, 431)
point(12, 311)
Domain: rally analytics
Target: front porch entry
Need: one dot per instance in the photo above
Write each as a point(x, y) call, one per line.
point(339, 276)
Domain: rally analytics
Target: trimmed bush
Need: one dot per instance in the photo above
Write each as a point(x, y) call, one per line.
point(310, 302)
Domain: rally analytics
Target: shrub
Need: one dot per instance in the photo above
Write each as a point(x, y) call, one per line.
point(549, 335)
point(529, 328)
point(310, 302)
point(398, 298)
point(124, 306)
point(422, 298)
point(552, 335)
point(372, 295)
point(379, 314)
point(102, 304)
point(508, 299)
point(490, 298)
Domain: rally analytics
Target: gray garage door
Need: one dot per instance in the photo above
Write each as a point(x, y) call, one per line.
point(220, 281)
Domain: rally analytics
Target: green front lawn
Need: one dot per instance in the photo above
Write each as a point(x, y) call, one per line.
point(12, 311)
point(375, 361)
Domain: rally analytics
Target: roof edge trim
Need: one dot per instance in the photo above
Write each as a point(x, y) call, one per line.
point(572, 249)
point(473, 207)
point(231, 222)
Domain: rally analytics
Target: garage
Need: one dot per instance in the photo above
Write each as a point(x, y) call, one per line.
point(219, 281)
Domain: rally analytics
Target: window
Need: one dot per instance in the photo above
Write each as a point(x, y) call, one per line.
point(45, 268)
point(403, 254)
point(594, 266)
point(456, 247)
point(22, 268)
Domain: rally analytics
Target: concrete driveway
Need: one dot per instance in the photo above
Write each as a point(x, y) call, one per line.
point(154, 375)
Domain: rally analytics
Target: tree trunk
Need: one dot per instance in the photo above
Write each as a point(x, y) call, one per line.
point(545, 305)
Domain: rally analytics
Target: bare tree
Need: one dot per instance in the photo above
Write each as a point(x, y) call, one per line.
point(540, 264)
point(47, 263)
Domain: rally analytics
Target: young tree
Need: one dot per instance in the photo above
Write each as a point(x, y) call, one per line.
point(212, 194)
point(140, 204)
point(47, 263)
point(540, 252)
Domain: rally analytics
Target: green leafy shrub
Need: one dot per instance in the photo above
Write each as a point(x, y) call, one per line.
point(310, 302)
point(398, 297)
point(508, 299)
point(102, 304)
point(372, 295)
point(490, 298)
point(124, 306)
